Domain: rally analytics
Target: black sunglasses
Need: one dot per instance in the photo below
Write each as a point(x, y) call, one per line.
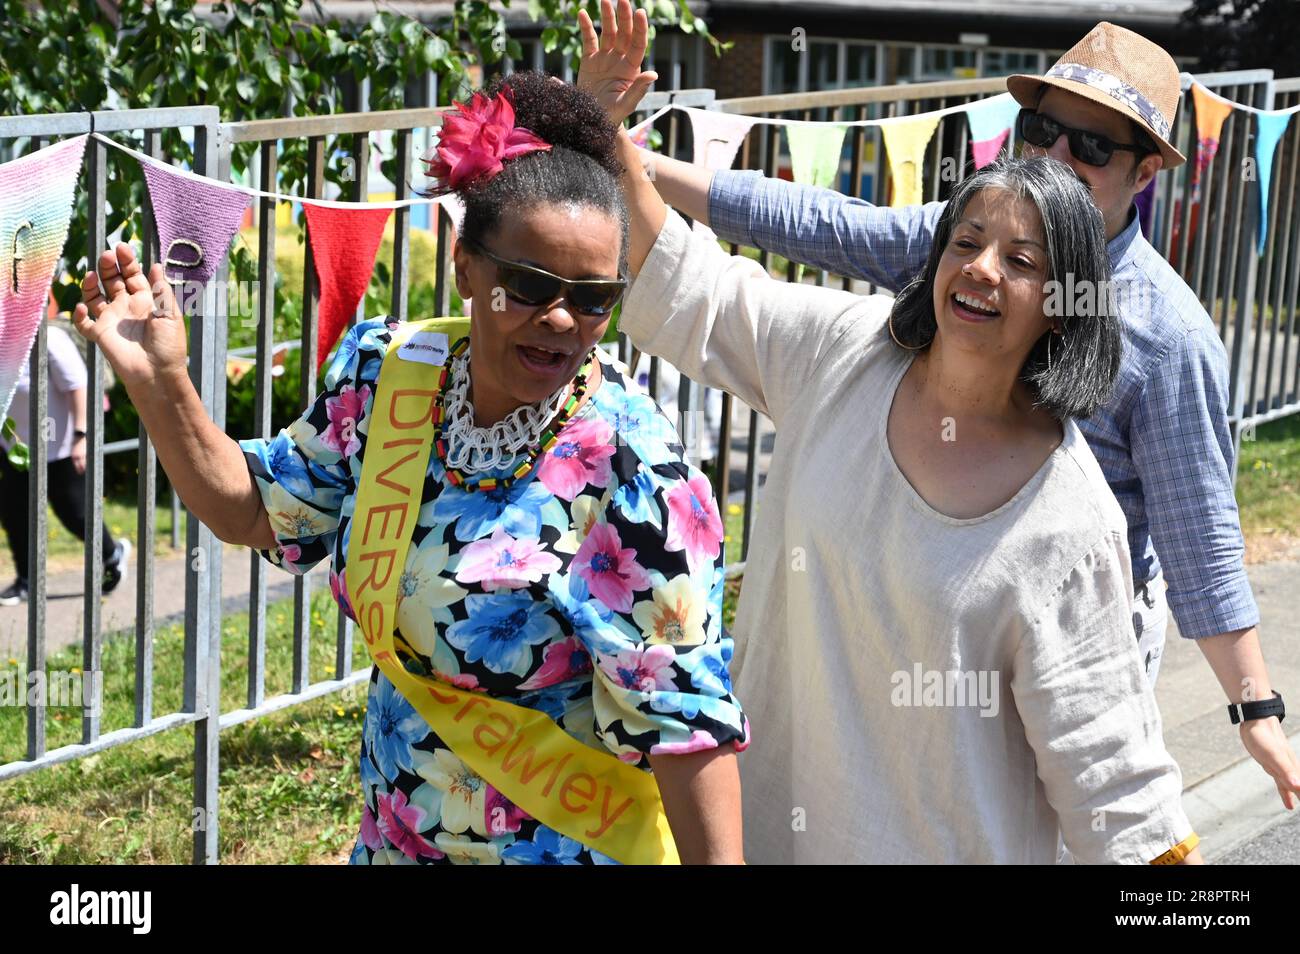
point(1090, 147)
point(535, 286)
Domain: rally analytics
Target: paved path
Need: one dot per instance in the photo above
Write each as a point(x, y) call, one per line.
point(1231, 801)
point(65, 607)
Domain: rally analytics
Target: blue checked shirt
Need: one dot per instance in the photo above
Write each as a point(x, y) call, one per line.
point(1162, 440)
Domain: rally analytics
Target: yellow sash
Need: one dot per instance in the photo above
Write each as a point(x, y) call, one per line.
point(579, 791)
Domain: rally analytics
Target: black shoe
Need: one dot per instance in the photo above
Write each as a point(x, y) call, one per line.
point(115, 568)
point(15, 594)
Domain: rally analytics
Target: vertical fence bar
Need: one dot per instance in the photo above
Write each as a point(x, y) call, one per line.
point(360, 192)
point(723, 457)
point(147, 499)
point(402, 227)
point(217, 165)
point(858, 139)
point(1257, 291)
point(442, 271)
point(1259, 402)
point(1293, 284)
point(689, 415)
point(37, 515)
point(751, 482)
point(1286, 218)
point(1168, 185)
point(202, 637)
point(1247, 263)
point(1184, 182)
point(37, 531)
point(176, 520)
point(97, 176)
point(1237, 193)
point(1221, 181)
point(307, 395)
point(258, 568)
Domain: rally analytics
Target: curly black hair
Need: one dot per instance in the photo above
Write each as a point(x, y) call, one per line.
point(581, 167)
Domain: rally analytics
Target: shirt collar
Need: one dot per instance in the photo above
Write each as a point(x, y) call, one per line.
point(1121, 246)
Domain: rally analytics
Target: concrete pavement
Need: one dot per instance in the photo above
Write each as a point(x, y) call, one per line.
point(65, 607)
point(1232, 803)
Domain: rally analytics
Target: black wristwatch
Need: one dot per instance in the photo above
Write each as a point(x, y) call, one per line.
point(1246, 711)
point(77, 435)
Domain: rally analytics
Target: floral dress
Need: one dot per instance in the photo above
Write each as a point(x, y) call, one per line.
point(590, 590)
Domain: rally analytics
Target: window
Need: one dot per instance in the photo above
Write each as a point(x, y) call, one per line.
point(941, 63)
point(782, 71)
point(1006, 62)
point(823, 65)
point(860, 65)
point(826, 64)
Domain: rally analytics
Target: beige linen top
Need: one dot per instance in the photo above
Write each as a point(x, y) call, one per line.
point(921, 688)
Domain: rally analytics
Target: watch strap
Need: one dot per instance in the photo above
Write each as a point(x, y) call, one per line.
point(1262, 709)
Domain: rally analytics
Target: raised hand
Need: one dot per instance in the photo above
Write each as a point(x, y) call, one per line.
point(142, 337)
point(611, 65)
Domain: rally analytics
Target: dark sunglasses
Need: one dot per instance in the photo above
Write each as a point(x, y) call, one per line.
point(1090, 147)
point(534, 286)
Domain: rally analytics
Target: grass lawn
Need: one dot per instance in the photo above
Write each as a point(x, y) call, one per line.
point(289, 786)
point(1268, 489)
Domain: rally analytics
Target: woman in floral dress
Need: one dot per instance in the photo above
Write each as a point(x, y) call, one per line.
point(583, 580)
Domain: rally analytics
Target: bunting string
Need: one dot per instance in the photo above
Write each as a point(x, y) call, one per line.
point(258, 193)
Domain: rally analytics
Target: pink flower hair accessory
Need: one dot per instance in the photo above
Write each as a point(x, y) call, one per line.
point(476, 140)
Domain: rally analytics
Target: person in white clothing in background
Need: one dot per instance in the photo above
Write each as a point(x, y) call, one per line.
point(66, 465)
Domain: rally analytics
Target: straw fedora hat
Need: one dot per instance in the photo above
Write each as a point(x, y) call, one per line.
point(1119, 69)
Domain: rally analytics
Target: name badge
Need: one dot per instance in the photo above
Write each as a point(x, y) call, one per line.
point(427, 347)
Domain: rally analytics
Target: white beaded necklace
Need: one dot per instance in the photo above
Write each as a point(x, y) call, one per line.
point(475, 450)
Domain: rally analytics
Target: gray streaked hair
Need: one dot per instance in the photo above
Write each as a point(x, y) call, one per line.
point(1086, 357)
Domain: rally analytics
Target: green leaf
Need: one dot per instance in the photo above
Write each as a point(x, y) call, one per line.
point(435, 48)
point(413, 33)
point(273, 70)
point(246, 87)
point(19, 455)
point(147, 74)
point(550, 39)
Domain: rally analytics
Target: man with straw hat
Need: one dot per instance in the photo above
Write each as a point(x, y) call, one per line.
point(1105, 108)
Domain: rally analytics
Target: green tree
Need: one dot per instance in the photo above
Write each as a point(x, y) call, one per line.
point(253, 59)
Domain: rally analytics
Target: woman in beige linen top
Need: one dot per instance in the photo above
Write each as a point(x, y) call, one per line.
point(935, 640)
point(934, 632)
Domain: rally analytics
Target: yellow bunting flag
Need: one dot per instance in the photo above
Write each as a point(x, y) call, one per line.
point(905, 145)
point(815, 152)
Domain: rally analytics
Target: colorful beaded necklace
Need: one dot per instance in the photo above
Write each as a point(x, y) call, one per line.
point(548, 439)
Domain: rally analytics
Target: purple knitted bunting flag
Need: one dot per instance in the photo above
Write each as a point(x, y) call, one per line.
point(196, 221)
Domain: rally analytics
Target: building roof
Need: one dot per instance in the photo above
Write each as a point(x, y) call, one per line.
point(1128, 11)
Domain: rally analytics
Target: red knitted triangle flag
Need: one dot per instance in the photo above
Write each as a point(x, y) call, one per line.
point(343, 247)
